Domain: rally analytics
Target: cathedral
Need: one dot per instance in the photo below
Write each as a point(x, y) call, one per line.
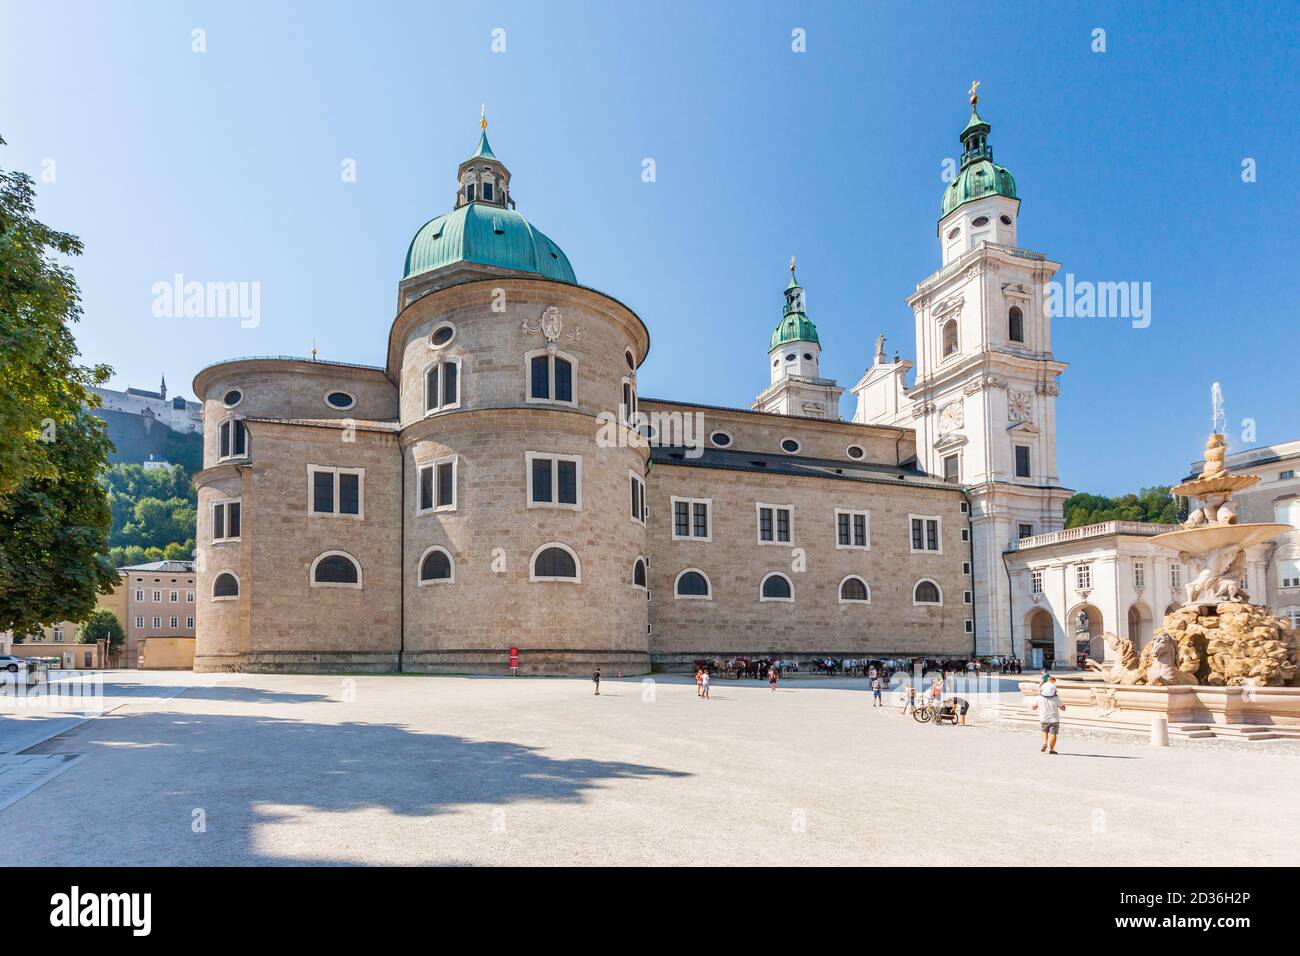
point(500, 489)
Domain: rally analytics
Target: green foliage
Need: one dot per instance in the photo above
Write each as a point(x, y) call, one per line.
point(154, 511)
point(54, 532)
point(42, 388)
point(1155, 505)
point(102, 625)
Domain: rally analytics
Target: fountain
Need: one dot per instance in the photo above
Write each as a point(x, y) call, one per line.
point(1217, 656)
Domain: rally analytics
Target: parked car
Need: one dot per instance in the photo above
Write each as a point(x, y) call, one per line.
point(12, 664)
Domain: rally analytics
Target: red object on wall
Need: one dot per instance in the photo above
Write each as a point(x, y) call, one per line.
point(514, 657)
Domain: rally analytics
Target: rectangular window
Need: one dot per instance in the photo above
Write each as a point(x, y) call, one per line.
point(174, 622)
point(225, 520)
point(1139, 574)
point(1286, 475)
point(554, 480)
point(139, 622)
point(1175, 576)
point(336, 491)
point(550, 378)
point(966, 597)
point(925, 533)
point(965, 534)
point(189, 597)
point(852, 529)
point(629, 403)
point(442, 385)
point(637, 504)
point(1083, 577)
point(965, 567)
point(157, 597)
point(436, 486)
point(970, 625)
point(1289, 572)
point(1025, 531)
point(174, 597)
point(541, 377)
point(487, 192)
point(952, 469)
point(189, 623)
point(1035, 582)
point(232, 439)
point(157, 622)
point(1022, 461)
point(691, 519)
point(58, 635)
point(773, 524)
point(139, 594)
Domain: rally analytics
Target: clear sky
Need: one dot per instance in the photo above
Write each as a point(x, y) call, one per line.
point(226, 165)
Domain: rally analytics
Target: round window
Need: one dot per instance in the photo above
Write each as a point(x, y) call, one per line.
point(807, 356)
point(789, 446)
point(790, 357)
point(721, 439)
point(340, 399)
point(1006, 220)
point(855, 452)
point(232, 398)
point(442, 335)
point(981, 221)
point(952, 234)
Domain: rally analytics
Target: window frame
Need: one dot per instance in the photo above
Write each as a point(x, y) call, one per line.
point(852, 513)
point(645, 569)
point(1029, 460)
point(311, 572)
point(225, 520)
point(690, 519)
point(232, 421)
point(839, 590)
point(1083, 576)
point(336, 471)
point(635, 482)
point(631, 407)
point(554, 458)
point(693, 597)
point(758, 524)
point(938, 519)
point(1035, 581)
point(239, 586)
point(551, 356)
point(421, 581)
point(916, 584)
point(438, 362)
point(731, 439)
point(764, 599)
point(433, 464)
point(533, 576)
point(339, 408)
point(798, 445)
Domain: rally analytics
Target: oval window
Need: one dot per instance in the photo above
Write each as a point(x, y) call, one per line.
point(721, 439)
point(855, 452)
point(953, 233)
point(340, 400)
point(631, 362)
point(807, 356)
point(789, 446)
point(442, 335)
point(232, 398)
point(981, 221)
point(1006, 220)
point(790, 357)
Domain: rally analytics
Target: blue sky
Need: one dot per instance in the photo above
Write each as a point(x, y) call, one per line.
point(225, 166)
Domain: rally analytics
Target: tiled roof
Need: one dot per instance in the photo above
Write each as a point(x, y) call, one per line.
point(797, 466)
point(167, 567)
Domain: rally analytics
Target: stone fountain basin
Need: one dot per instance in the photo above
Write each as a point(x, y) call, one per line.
point(1211, 537)
point(1095, 701)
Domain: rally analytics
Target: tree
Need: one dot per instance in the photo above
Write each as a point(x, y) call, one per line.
point(54, 532)
point(42, 388)
point(102, 625)
point(1154, 505)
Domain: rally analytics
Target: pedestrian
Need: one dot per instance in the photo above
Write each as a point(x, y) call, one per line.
point(909, 701)
point(699, 682)
point(1049, 709)
point(595, 679)
point(960, 705)
point(875, 692)
point(704, 684)
point(771, 678)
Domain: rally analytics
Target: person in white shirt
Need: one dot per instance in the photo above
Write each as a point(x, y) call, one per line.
point(1049, 709)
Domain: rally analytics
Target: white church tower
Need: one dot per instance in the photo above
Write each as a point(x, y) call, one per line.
point(983, 402)
point(794, 358)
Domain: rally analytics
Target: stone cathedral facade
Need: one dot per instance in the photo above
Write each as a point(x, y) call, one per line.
point(500, 483)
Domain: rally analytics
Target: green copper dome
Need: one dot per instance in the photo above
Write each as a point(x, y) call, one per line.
point(979, 175)
point(795, 326)
point(485, 231)
point(487, 235)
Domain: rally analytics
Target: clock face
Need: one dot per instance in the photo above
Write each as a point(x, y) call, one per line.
point(1019, 406)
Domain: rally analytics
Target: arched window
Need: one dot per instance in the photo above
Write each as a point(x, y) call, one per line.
point(776, 587)
point(638, 572)
point(950, 338)
point(335, 569)
point(926, 592)
point(225, 587)
point(693, 584)
point(854, 590)
point(1016, 324)
point(232, 439)
point(442, 381)
point(436, 567)
point(555, 562)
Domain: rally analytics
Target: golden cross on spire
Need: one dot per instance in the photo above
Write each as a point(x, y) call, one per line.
point(792, 265)
point(974, 93)
point(482, 116)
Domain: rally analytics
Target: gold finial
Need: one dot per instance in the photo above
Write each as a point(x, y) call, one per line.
point(482, 117)
point(792, 265)
point(974, 93)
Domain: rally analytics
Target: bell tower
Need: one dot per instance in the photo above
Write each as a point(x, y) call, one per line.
point(794, 360)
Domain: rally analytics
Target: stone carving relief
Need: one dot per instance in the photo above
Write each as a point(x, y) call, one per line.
point(551, 325)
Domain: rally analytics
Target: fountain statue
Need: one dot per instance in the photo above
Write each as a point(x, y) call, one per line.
point(1221, 638)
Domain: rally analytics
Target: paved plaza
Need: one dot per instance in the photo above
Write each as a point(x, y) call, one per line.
point(270, 769)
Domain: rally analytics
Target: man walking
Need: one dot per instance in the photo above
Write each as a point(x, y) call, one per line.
point(704, 684)
point(595, 679)
point(1049, 709)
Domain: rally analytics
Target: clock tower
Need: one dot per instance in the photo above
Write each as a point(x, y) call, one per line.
point(983, 401)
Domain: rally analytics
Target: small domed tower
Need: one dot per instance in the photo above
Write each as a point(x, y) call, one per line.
point(482, 177)
point(794, 358)
point(980, 204)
